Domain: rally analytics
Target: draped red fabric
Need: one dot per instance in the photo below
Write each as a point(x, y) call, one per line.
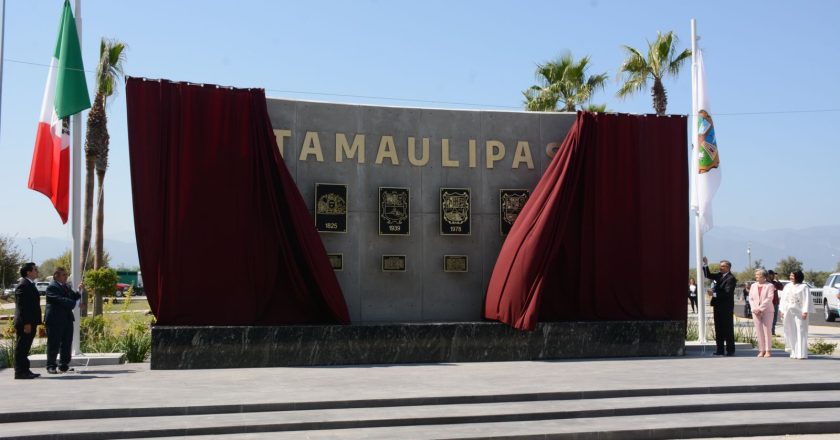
point(604, 236)
point(223, 234)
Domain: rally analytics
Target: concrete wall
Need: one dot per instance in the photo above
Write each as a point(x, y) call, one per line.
point(424, 292)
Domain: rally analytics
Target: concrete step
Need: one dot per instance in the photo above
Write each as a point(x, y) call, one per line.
point(669, 426)
point(79, 362)
point(454, 420)
point(741, 348)
point(573, 396)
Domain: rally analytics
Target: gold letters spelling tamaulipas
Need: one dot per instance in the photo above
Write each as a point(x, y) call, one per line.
point(394, 152)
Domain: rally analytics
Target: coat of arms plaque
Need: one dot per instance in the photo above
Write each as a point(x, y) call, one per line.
point(511, 202)
point(330, 207)
point(455, 211)
point(394, 211)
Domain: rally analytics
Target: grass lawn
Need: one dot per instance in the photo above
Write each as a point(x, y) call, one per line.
point(137, 304)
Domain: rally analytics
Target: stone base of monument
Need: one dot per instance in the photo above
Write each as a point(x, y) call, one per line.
point(396, 343)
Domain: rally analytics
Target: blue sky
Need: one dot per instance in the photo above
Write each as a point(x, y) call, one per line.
point(773, 75)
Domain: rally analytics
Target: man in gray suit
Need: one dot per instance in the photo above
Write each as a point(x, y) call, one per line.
point(61, 300)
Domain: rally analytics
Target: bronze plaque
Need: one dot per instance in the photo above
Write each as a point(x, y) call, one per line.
point(454, 263)
point(455, 211)
point(511, 202)
point(394, 211)
point(393, 263)
point(336, 261)
point(330, 207)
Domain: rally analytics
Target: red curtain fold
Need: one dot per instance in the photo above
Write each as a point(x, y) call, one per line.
point(604, 235)
point(223, 234)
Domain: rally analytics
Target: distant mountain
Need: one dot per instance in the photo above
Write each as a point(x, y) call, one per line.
point(817, 247)
point(123, 253)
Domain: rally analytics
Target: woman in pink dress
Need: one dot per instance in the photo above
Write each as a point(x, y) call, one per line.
point(761, 303)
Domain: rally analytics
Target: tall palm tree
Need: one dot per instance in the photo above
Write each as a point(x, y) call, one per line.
point(595, 108)
point(563, 81)
point(108, 71)
point(662, 59)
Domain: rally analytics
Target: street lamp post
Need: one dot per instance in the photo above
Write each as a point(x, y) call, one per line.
point(749, 254)
point(31, 249)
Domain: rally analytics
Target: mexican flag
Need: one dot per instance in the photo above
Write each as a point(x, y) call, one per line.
point(66, 94)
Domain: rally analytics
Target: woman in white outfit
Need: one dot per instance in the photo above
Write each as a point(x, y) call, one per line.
point(794, 305)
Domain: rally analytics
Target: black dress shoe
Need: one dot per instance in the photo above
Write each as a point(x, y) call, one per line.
point(52, 370)
point(64, 368)
point(34, 374)
point(730, 354)
point(25, 376)
point(717, 353)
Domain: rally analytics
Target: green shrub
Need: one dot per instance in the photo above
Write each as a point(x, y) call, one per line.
point(821, 347)
point(691, 330)
point(96, 335)
point(101, 281)
point(745, 332)
point(136, 342)
point(8, 331)
point(100, 334)
point(7, 353)
point(127, 299)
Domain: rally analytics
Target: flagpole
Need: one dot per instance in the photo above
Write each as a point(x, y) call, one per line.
point(2, 40)
point(76, 199)
point(695, 153)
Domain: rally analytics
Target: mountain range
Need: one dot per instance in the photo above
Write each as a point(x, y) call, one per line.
point(818, 247)
point(123, 252)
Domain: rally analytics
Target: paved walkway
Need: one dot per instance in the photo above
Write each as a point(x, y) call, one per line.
point(136, 386)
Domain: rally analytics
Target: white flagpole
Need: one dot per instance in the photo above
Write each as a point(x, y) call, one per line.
point(2, 39)
point(76, 199)
point(695, 152)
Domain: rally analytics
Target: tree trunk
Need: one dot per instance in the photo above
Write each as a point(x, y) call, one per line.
point(660, 97)
point(99, 246)
point(86, 229)
point(96, 121)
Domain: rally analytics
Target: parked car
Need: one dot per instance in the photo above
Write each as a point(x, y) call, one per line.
point(122, 290)
point(42, 287)
point(8, 293)
point(829, 297)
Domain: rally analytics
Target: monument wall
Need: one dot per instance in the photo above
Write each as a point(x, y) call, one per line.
point(449, 165)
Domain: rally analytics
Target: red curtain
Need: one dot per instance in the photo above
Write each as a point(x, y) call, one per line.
point(604, 236)
point(223, 234)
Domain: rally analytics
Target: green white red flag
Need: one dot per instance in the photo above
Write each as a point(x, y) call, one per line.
point(66, 94)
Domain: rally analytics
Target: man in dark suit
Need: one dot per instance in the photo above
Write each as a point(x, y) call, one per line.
point(61, 300)
point(27, 319)
point(771, 278)
point(723, 304)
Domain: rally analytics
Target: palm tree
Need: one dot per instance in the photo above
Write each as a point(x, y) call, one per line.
point(595, 108)
point(563, 81)
point(662, 59)
point(108, 71)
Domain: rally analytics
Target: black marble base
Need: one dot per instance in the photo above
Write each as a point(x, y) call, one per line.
point(395, 343)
